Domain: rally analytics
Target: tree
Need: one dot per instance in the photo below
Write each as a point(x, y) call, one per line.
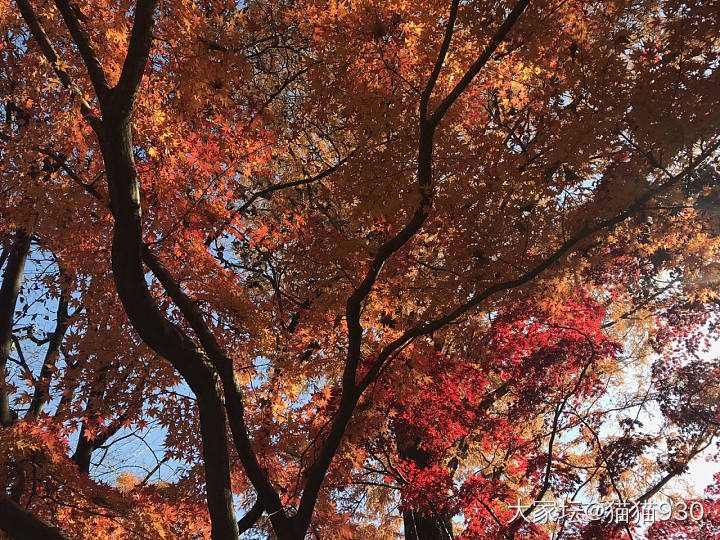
point(363, 262)
point(681, 527)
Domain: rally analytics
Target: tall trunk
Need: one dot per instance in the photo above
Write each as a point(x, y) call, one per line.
point(420, 525)
point(155, 330)
point(9, 290)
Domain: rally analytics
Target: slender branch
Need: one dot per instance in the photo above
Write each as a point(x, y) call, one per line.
point(487, 53)
point(279, 90)
point(152, 471)
point(38, 32)
point(427, 91)
point(556, 419)
point(62, 162)
point(268, 191)
point(82, 40)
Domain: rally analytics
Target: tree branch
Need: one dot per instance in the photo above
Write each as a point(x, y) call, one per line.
point(268, 191)
point(585, 233)
point(487, 53)
point(427, 91)
point(52, 57)
point(41, 395)
point(249, 519)
point(233, 395)
point(82, 40)
point(153, 327)
point(22, 524)
point(678, 470)
point(9, 290)
point(122, 96)
point(350, 395)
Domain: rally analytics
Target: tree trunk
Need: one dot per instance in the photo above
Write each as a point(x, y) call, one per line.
point(20, 523)
point(42, 388)
point(420, 525)
point(152, 326)
point(9, 290)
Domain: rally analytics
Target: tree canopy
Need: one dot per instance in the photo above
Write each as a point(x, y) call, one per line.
point(369, 269)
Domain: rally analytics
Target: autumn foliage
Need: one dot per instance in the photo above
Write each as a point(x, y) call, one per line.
point(370, 269)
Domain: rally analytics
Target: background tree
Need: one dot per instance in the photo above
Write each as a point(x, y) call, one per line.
point(363, 263)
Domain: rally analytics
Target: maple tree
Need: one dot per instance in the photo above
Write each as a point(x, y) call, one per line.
point(683, 528)
point(372, 268)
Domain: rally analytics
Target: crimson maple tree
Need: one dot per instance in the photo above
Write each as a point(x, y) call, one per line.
point(369, 268)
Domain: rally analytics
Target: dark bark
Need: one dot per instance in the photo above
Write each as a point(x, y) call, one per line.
point(251, 518)
point(82, 40)
point(419, 526)
point(161, 335)
point(200, 368)
point(283, 527)
point(20, 524)
point(83, 451)
point(41, 394)
point(351, 392)
point(9, 290)
point(85, 445)
point(38, 32)
point(115, 136)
